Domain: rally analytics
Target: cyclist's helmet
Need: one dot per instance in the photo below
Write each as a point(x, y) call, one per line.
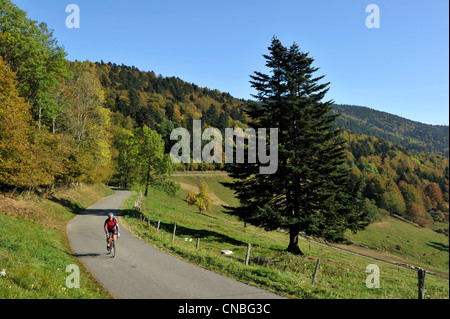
point(110, 215)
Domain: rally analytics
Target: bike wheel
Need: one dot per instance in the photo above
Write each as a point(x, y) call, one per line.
point(113, 248)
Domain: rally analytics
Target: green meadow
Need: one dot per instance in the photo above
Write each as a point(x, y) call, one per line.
point(341, 274)
point(34, 248)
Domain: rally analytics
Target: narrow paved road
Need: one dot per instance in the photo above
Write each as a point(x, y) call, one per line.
point(142, 271)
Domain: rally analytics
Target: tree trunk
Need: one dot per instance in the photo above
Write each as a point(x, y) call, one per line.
point(293, 241)
point(148, 179)
point(39, 118)
point(146, 189)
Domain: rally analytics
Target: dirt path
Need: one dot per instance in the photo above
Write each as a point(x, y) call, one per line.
point(385, 256)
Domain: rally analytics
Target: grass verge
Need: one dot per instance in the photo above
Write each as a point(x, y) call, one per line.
point(34, 247)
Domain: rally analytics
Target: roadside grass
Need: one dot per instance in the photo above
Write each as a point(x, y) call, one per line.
point(399, 237)
point(214, 185)
point(341, 275)
point(34, 247)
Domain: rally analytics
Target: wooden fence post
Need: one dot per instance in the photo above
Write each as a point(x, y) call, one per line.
point(248, 254)
point(315, 271)
point(148, 221)
point(137, 204)
point(421, 284)
point(198, 243)
point(157, 228)
point(174, 230)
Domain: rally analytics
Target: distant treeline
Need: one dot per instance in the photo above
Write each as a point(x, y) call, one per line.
point(433, 139)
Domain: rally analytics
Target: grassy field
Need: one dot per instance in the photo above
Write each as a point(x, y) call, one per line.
point(401, 238)
point(393, 238)
point(341, 274)
point(34, 248)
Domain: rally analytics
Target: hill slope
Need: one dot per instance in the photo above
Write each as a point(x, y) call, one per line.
point(157, 101)
point(34, 248)
point(384, 149)
point(341, 274)
point(433, 139)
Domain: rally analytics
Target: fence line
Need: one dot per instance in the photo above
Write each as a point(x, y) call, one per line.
point(315, 271)
point(137, 207)
point(138, 210)
point(421, 283)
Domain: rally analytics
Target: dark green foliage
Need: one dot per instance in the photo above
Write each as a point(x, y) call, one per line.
point(311, 192)
point(34, 55)
point(166, 102)
point(86, 141)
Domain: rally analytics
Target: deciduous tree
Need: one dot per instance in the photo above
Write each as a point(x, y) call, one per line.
point(154, 167)
point(34, 55)
point(201, 200)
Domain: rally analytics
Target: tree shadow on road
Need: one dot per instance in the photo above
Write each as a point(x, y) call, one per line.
point(75, 208)
point(99, 212)
point(86, 255)
point(182, 231)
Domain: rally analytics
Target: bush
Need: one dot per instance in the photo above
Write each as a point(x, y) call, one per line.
point(373, 213)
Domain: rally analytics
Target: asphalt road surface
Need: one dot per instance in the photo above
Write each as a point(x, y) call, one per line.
point(139, 270)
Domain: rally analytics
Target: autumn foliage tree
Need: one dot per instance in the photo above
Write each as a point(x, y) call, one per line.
point(201, 199)
point(23, 152)
point(154, 168)
point(76, 149)
point(417, 214)
point(14, 128)
point(32, 52)
point(434, 195)
point(86, 121)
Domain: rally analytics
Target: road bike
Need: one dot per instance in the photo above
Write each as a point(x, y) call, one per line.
point(112, 246)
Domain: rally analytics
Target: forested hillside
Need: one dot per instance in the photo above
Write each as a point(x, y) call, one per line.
point(400, 181)
point(164, 103)
point(398, 178)
point(421, 137)
point(64, 122)
point(132, 91)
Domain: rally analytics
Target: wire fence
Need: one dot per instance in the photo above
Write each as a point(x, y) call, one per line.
point(169, 230)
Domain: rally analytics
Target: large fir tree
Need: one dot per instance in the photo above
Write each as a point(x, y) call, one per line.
point(311, 192)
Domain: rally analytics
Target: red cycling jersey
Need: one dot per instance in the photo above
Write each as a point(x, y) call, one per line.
point(112, 226)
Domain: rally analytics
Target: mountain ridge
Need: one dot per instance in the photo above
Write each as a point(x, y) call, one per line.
point(131, 91)
point(422, 137)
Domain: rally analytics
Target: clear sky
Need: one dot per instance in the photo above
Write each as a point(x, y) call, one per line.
point(402, 67)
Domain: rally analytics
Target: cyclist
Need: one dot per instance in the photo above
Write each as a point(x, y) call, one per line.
point(111, 228)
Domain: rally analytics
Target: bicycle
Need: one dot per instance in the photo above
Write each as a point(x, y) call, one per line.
point(111, 246)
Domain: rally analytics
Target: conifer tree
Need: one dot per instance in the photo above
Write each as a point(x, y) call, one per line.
point(311, 192)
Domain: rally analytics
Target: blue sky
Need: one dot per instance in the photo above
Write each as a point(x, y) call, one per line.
point(400, 68)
